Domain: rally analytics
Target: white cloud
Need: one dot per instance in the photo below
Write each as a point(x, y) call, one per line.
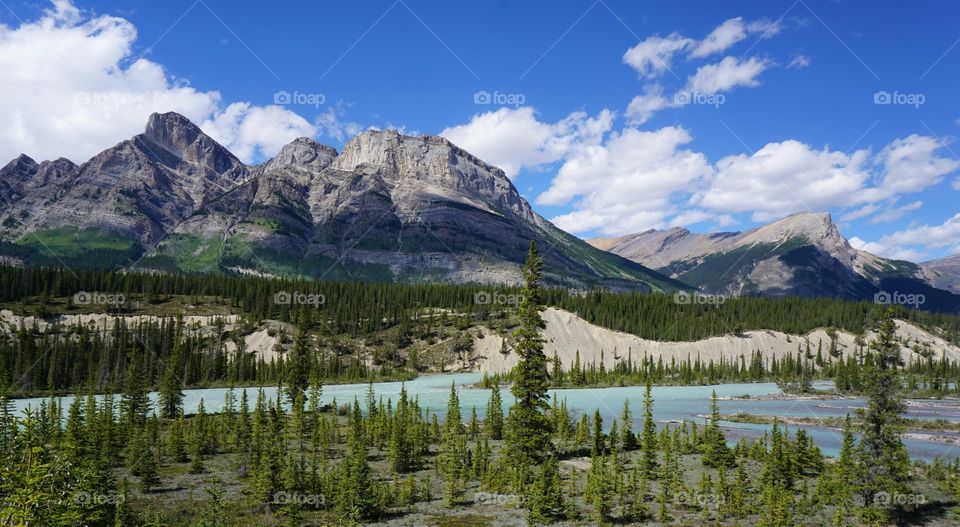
point(879, 249)
point(945, 235)
point(626, 184)
point(915, 244)
point(255, 132)
point(727, 74)
point(642, 107)
point(73, 87)
point(782, 178)
point(913, 164)
point(798, 62)
point(515, 138)
point(654, 55)
point(332, 123)
point(895, 213)
point(730, 32)
point(862, 212)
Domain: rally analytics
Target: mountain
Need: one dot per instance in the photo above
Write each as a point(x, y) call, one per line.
point(802, 255)
point(389, 208)
point(943, 273)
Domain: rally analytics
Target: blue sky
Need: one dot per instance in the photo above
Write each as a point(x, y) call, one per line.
point(843, 106)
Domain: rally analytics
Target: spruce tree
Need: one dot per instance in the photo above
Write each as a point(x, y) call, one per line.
point(882, 456)
point(493, 422)
point(716, 453)
point(545, 504)
point(171, 384)
point(648, 437)
point(298, 366)
point(452, 460)
point(528, 430)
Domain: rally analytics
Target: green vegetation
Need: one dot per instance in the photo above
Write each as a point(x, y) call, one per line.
point(78, 248)
point(123, 461)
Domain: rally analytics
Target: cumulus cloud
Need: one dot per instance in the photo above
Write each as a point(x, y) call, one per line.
point(654, 55)
point(916, 243)
point(254, 132)
point(730, 32)
point(626, 184)
point(912, 164)
point(512, 139)
point(786, 177)
point(642, 107)
point(727, 74)
point(879, 249)
point(73, 87)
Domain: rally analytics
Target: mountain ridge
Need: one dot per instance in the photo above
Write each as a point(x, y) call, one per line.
point(802, 254)
point(387, 207)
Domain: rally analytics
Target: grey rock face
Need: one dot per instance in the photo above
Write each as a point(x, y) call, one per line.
point(803, 254)
point(143, 187)
point(943, 273)
point(389, 207)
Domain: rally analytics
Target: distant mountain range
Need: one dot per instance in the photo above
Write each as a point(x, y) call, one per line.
point(389, 208)
point(394, 208)
point(800, 255)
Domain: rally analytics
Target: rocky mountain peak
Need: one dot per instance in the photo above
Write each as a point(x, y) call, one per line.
point(185, 140)
point(303, 153)
point(815, 227)
point(171, 128)
point(21, 163)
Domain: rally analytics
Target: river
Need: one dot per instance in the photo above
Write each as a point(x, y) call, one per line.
point(671, 404)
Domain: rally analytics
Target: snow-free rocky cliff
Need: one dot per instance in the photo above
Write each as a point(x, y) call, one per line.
point(388, 207)
point(803, 254)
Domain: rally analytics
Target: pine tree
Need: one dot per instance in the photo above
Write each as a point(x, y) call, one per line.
point(598, 448)
point(211, 515)
point(648, 437)
point(882, 456)
point(493, 422)
point(716, 453)
point(453, 452)
point(528, 436)
point(177, 445)
point(147, 469)
point(545, 503)
point(171, 385)
point(628, 441)
point(298, 367)
point(599, 490)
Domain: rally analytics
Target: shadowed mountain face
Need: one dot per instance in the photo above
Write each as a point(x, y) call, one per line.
point(801, 255)
point(943, 273)
point(389, 207)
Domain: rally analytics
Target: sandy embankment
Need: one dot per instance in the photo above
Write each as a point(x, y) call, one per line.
point(566, 333)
